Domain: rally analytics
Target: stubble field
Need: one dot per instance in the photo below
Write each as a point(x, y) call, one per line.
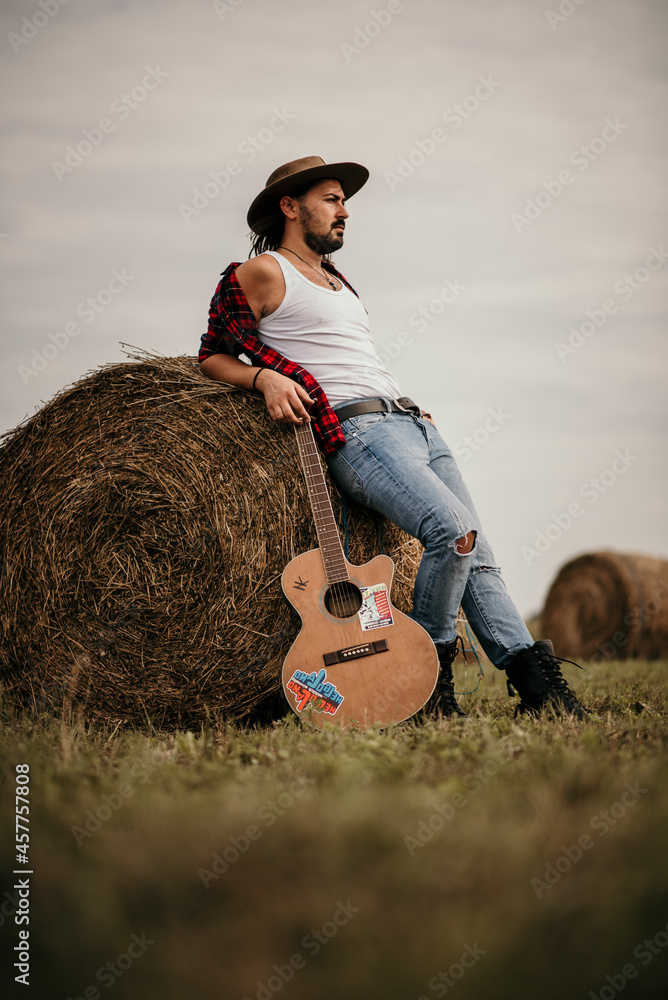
point(489, 857)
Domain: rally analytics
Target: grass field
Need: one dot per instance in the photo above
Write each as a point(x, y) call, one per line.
point(479, 858)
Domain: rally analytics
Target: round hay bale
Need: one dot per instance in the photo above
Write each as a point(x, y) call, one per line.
point(607, 605)
point(147, 514)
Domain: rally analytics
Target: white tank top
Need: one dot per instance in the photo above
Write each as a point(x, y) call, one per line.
point(327, 332)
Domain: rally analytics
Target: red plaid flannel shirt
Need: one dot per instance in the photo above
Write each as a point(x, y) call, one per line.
point(233, 330)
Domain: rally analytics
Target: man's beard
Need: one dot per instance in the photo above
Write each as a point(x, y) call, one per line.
point(322, 243)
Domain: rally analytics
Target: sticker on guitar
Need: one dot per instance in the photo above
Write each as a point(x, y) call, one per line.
point(376, 611)
point(315, 691)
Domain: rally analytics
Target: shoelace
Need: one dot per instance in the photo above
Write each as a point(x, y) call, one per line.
point(460, 640)
point(550, 664)
point(452, 655)
point(445, 688)
point(445, 694)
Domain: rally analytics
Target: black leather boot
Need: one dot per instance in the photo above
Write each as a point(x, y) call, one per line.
point(443, 699)
point(535, 674)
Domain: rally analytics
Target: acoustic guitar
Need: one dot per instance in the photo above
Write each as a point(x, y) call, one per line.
point(357, 660)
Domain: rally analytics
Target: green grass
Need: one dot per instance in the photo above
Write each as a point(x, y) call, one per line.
point(399, 848)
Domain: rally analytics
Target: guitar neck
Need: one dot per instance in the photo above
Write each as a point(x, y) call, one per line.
point(326, 527)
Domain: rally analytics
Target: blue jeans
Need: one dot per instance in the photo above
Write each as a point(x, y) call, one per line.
point(398, 464)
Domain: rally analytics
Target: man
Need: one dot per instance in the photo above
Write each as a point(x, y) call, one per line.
point(306, 333)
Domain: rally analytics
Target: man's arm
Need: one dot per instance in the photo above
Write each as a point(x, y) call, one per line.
point(285, 399)
point(261, 281)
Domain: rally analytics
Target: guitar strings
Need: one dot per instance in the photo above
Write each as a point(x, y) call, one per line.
point(341, 597)
point(312, 482)
point(315, 478)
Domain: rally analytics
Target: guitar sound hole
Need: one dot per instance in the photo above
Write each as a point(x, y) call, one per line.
point(343, 599)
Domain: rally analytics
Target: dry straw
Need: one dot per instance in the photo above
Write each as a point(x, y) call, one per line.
point(610, 605)
point(147, 514)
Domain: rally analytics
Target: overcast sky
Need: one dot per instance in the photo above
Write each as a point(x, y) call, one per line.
point(510, 245)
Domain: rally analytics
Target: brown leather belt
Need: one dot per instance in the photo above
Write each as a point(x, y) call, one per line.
point(402, 405)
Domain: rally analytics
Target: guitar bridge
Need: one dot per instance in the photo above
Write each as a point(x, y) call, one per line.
point(355, 652)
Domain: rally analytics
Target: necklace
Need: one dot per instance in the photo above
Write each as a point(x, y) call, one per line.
point(321, 273)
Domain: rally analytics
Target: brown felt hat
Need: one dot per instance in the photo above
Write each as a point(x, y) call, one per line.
point(264, 210)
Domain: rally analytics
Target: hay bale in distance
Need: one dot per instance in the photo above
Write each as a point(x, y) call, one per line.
point(609, 605)
point(147, 514)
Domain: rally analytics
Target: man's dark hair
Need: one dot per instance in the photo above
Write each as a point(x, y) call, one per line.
point(272, 238)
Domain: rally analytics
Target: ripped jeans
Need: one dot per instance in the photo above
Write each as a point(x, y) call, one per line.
point(398, 464)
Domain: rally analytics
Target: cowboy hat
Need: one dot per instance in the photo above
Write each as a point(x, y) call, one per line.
point(264, 210)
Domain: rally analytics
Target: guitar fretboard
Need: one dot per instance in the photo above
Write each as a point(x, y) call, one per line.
point(326, 527)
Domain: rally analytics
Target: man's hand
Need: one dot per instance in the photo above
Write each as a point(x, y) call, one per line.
point(286, 401)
